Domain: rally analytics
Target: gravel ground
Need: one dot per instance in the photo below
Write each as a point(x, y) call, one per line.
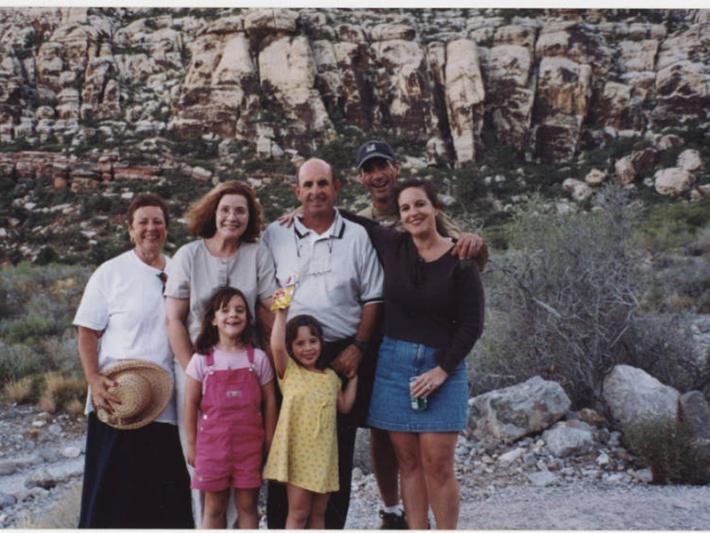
point(583, 494)
point(579, 504)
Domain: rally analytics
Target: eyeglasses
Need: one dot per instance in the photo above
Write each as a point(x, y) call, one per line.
point(163, 277)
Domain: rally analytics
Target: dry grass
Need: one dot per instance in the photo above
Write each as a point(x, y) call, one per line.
point(23, 390)
point(74, 407)
point(62, 515)
point(61, 391)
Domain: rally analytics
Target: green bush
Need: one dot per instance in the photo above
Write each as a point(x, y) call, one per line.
point(28, 327)
point(666, 446)
point(18, 361)
point(563, 303)
point(37, 304)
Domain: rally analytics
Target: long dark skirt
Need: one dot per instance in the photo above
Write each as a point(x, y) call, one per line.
point(134, 478)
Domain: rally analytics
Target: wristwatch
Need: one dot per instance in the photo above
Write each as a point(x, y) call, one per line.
point(361, 345)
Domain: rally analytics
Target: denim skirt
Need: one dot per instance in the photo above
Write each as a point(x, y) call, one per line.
point(390, 406)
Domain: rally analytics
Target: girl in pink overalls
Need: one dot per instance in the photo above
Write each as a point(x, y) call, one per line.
point(230, 411)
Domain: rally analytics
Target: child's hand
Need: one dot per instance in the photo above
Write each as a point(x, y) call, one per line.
point(282, 297)
point(191, 452)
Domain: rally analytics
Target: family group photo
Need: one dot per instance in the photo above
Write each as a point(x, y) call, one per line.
point(270, 268)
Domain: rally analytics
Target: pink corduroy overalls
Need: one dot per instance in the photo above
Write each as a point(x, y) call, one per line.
point(230, 432)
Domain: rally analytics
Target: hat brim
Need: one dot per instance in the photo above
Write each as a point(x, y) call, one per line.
point(161, 386)
point(373, 156)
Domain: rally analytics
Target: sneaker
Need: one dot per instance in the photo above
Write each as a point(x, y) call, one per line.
point(393, 520)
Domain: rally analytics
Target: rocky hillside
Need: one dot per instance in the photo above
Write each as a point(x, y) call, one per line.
point(90, 95)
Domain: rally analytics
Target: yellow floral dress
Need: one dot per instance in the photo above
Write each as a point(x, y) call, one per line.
point(304, 451)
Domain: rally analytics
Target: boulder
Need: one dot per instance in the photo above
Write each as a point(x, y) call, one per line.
point(695, 415)
point(673, 181)
point(510, 457)
point(7, 468)
point(669, 141)
point(690, 161)
point(578, 190)
point(513, 412)
point(633, 396)
point(624, 170)
point(595, 177)
point(563, 440)
point(41, 478)
point(644, 161)
point(544, 478)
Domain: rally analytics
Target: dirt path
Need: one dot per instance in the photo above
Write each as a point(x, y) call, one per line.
point(577, 505)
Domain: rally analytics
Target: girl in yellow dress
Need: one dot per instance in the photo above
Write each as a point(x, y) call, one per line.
point(304, 452)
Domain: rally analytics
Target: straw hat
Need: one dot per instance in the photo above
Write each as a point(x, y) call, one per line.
point(144, 390)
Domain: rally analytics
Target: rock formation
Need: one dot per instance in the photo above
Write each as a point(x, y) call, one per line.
point(292, 80)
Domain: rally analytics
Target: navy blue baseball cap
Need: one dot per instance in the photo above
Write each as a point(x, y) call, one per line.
point(372, 149)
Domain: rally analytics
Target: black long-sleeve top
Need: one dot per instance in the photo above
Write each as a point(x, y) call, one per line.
point(439, 303)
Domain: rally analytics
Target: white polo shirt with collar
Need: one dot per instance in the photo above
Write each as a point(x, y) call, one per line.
point(337, 272)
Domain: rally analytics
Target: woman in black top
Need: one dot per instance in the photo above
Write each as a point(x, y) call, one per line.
point(433, 317)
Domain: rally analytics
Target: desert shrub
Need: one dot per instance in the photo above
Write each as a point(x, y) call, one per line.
point(564, 303)
point(28, 327)
point(61, 391)
point(665, 446)
point(678, 283)
point(23, 390)
point(37, 304)
point(669, 226)
point(74, 407)
point(18, 360)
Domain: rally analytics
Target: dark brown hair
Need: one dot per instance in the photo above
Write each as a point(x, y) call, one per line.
point(201, 216)
point(292, 327)
point(430, 192)
point(146, 199)
point(209, 335)
point(426, 186)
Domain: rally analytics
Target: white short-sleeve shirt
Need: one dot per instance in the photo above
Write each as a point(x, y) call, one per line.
point(337, 271)
point(194, 274)
point(124, 299)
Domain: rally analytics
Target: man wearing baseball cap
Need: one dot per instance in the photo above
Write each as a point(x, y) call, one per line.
point(378, 170)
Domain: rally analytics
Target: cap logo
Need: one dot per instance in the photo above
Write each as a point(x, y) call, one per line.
point(370, 148)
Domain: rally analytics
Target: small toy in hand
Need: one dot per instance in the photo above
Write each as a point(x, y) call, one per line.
point(283, 296)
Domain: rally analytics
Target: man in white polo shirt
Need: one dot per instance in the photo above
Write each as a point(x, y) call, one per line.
point(340, 284)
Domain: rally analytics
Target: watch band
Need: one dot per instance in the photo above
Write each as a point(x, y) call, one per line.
point(361, 345)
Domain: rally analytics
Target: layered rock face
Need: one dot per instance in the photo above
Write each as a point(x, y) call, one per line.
point(288, 81)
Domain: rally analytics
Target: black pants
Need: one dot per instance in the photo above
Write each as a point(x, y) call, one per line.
point(337, 511)
point(135, 478)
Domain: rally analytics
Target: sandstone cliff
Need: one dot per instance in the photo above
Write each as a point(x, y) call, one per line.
point(92, 95)
point(547, 83)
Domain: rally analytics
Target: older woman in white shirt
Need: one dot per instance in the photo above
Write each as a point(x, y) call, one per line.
point(133, 478)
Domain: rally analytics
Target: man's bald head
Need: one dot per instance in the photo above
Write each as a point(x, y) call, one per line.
point(317, 189)
point(314, 166)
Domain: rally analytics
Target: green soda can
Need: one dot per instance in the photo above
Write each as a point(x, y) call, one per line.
point(418, 404)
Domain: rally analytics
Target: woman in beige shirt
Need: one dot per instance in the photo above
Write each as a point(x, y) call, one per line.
point(227, 222)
